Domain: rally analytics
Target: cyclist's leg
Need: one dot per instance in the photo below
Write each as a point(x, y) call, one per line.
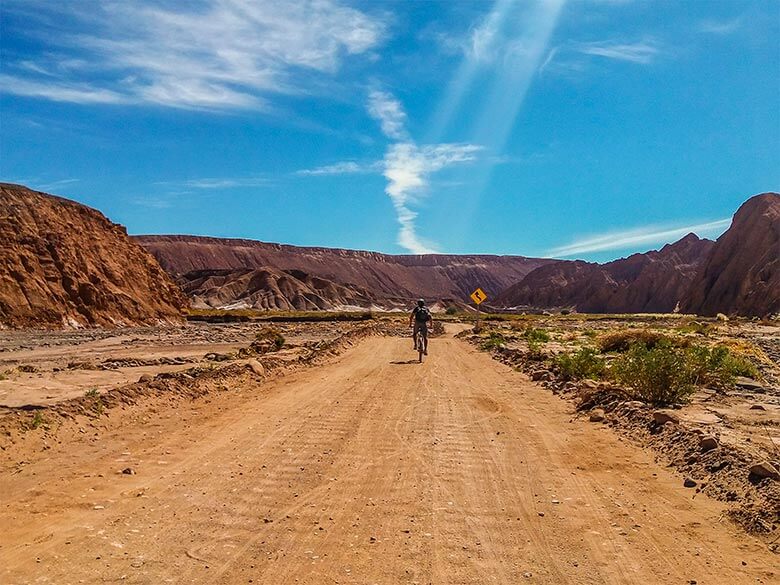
point(415, 333)
point(424, 331)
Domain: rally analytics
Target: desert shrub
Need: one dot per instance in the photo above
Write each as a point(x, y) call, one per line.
point(37, 421)
point(535, 351)
point(565, 311)
point(270, 336)
point(621, 341)
point(92, 393)
point(717, 367)
point(584, 363)
point(452, 310)
point(697, 328)
point(661, 374)
point(493, 341)
point(534, 334)
point(590, 333)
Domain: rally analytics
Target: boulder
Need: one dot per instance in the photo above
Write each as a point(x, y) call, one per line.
point(256, 367)
point(707, 443)
point(749, 384)
point(662, 417)
point(764, 469)
point(597, 415)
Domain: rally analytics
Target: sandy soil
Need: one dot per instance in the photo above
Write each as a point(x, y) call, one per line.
point(68, 364)
point(370, 469)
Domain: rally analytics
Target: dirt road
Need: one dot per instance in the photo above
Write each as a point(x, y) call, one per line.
point(368, 470)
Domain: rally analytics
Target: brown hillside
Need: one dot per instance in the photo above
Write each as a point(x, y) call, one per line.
point(742, 274)
point(269, 289)
point(384, 276)
point(642, 283)
point(65, 264)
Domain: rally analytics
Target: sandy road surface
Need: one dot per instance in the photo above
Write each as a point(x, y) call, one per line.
point(368, 470)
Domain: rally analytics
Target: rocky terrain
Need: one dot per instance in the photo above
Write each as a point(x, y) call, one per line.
point(271, 289)
point(65, 264)
point(653, 282)
point(434, 276)
point(739, 274)
point(742, 272)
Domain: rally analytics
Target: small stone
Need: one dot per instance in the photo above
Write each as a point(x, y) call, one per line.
point(749, 384)
point(128, 471)
point(597, 415)
point(589, 384)
point(256, 367)
point(689, 483)
point(708, 443)
point(146, 378)
point(527, 574)
point(758, 407)
point(764, 469)
point(664, 416)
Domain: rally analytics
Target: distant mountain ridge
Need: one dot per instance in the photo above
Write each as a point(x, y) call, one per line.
point(63, 264)
point(650, 282)
point(385, 276)
point(738, 274)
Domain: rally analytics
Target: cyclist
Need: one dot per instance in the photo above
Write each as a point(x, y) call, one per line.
point(421, 318)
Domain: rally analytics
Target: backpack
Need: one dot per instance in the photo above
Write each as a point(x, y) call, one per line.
point(422, 314)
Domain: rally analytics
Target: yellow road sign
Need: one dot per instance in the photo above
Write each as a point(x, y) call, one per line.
point(478, 296)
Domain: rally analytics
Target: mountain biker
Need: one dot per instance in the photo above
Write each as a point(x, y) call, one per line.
point(420, 318)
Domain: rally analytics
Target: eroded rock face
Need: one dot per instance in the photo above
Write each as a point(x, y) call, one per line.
point(64, 264)
point(651, 282)
point(270, 289)
point(384, 276)
point(742, 273)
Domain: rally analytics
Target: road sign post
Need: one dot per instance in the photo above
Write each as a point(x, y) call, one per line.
point(478, 296)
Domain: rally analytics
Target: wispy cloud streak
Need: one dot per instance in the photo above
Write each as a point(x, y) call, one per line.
point(348, 167)
point(638, 52)
point(647, 235)
point(216, 54)
point(407, 166)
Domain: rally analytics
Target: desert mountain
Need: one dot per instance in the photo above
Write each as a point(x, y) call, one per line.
point(270, 289)
point(742, 273)
point(65, 264)
point(642, 283)
point(384, 277)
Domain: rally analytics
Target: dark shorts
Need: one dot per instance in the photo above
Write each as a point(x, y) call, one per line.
point(420, 328)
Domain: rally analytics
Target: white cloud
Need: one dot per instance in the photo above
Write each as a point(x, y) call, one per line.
point(641, 236)
point(217, 182)
point(643, 52)
point(342, 168)
point(58, 92)
point(388, 111)
point(216, 54)
point(407, 166)
point(720, 27)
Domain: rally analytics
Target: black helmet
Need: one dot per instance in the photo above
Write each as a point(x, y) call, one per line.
point(421, 303)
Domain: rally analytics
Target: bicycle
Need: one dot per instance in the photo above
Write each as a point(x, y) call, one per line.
point(420, 346)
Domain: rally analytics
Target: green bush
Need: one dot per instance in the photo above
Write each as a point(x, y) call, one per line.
point(533, 334)
point(660, 375)
point(270, 336)
point(717, 367)
point(621, 341)
point(584, 363)
point(452, 310)
point(493, 341)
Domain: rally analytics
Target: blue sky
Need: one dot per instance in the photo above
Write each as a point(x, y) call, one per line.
point(580, 129)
